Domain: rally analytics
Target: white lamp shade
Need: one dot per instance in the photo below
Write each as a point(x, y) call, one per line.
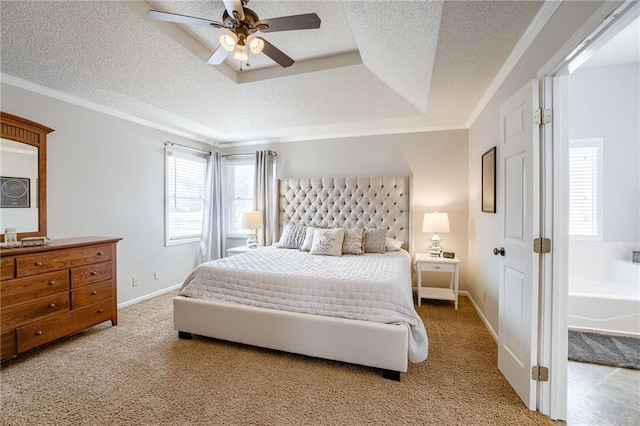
point(228, 41)
point(241, 53)
point(252, 220)
point(255, 44)
point(435, 222)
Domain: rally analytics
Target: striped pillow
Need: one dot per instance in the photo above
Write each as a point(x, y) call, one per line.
point(292, 236)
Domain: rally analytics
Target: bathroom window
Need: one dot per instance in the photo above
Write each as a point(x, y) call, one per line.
point(585, 189)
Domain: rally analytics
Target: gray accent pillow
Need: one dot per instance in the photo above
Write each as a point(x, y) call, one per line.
point(353, 241)
point(374, 240)
point(292, 236)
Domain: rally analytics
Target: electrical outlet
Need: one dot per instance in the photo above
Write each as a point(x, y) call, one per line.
point(156, 276)
point(484, 296)
point(134, 281)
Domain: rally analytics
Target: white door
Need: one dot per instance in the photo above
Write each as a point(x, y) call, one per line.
point(518, 211)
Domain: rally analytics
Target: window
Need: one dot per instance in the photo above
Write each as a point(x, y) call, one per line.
point(238, 186)
point(585, 189)
point(185, 176)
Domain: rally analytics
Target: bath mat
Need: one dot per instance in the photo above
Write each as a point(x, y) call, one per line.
point(616, 351)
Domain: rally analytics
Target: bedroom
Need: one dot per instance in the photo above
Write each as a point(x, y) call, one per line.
point(115, 184)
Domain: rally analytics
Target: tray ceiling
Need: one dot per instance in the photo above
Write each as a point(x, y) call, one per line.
point(372, 67)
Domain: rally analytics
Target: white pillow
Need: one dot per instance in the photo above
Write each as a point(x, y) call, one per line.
point(392, 245)
point(308, 239)
point(328, 242)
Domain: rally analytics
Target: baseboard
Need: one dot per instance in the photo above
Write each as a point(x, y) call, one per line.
point(149, 296)
point(492, 332)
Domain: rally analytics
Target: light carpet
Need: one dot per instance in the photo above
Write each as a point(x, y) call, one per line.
point(140, 373)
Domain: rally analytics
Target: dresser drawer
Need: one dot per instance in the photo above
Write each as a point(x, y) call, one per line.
point(62, 325)
point(89, 294)
point(61, 259)
point(14, 315)
point(437, 267)
point(7, 345)
point(91, 274)
point(7, 268)
point(23, 289)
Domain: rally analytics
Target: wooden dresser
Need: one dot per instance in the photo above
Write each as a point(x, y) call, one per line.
point(53, 291)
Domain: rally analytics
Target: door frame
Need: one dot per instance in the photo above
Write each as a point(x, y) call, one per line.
point(554, 290)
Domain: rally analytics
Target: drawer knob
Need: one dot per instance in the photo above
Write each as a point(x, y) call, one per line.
point(436, 267)
point(94, 293)
point(53, 305)
point(94, 273)
point(100, 311)
point(100, 253)
point(39, 333)
point(52, 282)
point(38, 263)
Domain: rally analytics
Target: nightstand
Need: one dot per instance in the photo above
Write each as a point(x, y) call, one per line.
point(237, 250)
point(426, 262)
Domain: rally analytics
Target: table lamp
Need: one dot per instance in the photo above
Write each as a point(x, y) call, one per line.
point(252, 221)
point(435, 222)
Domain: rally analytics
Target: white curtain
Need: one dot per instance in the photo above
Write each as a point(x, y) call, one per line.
point(265, 196)
point(212, 230)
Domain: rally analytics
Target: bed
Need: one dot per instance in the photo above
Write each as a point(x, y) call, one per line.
point(315, 317)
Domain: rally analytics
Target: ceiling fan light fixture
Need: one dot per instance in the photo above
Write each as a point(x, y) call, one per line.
point(228, 41)
point(241, 53)
point(255, 44)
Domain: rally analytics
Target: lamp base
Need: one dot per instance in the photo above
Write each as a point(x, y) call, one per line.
point(435, 251)
point(252, 240)
point(435, 248)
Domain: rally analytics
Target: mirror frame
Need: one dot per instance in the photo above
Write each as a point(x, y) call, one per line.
point(31, 133)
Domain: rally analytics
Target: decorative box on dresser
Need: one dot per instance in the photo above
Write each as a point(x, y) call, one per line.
point(52, 291)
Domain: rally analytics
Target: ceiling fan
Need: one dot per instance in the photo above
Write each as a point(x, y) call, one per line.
point(242, 24)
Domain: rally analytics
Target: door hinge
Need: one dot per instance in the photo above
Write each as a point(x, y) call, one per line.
point(542, 245)
point(539, 374)
point(542, 116)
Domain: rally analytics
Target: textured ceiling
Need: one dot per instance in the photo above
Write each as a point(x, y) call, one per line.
point(372, 66)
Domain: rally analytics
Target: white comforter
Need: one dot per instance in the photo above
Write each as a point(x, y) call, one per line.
point(371, 287)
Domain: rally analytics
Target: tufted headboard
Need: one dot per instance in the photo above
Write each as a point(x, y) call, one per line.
point(367, 202)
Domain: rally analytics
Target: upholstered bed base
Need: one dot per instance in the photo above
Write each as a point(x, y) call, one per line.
point(370, 202)
point(366, 343)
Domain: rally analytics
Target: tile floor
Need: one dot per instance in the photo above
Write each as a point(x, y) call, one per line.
point(602, 396)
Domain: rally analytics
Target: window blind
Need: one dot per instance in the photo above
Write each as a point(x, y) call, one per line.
point(185, 186)
point(240, 193)
point(585, 189)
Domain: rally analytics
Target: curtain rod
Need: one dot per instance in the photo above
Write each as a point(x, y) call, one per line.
point(275, 154)
point(188, 147)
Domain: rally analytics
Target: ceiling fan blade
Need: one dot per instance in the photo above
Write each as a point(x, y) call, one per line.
point(182, 19)
point(218, 56)
point(306, 21)
point(234, 6)
point(276, 54)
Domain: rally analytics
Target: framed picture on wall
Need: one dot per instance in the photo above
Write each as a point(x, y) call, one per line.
point(14, 192)
point(489, 181)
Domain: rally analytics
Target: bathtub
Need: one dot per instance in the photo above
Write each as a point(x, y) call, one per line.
point(611, 307)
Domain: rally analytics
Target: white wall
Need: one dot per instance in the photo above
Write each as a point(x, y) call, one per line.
point(605, 102)
point(484, 134)
point(437, 161)
point(105, 177)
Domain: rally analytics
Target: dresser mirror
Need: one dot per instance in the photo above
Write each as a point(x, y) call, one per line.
point(23, 176)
